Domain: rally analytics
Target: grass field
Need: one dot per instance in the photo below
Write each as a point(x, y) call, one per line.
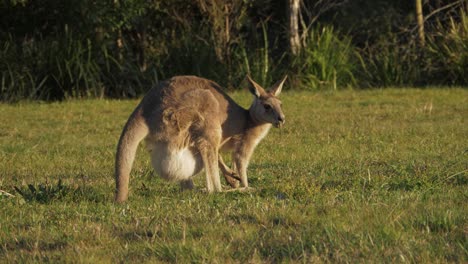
point(354, 176)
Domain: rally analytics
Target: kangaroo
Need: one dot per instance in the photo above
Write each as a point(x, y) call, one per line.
point(186, 121)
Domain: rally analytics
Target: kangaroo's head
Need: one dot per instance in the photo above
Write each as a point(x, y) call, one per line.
point(266, 107)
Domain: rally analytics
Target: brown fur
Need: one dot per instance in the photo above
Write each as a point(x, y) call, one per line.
point(192, 114)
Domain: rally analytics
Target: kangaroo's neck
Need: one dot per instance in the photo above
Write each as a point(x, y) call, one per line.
point(243, 123)
point(256, 129)
point(252, 120)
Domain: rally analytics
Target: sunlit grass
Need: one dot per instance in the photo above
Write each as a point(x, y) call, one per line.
point(371, 176)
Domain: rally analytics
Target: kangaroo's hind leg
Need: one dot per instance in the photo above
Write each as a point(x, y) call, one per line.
point(209, 155)
point(206, 133)
point(208, 146)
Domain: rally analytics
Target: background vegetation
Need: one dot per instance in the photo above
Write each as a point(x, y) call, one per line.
point(375, 176)
point(51, 49)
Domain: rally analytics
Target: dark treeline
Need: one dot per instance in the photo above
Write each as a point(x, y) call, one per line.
point(54, 49)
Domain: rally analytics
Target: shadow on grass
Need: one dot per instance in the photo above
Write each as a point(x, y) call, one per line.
point(32, 245)
point(49, 192)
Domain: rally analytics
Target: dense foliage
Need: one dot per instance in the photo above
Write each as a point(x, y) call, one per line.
point(52, 49)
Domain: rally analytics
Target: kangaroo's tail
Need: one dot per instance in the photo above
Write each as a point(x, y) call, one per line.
point(133, 133)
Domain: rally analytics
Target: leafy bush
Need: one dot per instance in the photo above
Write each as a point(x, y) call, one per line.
point(51, 51)
point(397, 61)
point(58, 68)
point(255, 58)
point(327, 61)
point(389, 63)
point(448, 52)
point(189, 56)
point(43, 193)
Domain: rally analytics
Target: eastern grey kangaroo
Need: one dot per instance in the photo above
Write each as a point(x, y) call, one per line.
point(186, 121)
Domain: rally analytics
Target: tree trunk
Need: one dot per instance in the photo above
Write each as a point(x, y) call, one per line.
point(227, 43)
point(420, 18)
point(119, 38)
point(119, 45)
point(140, 36)
point(294, 39)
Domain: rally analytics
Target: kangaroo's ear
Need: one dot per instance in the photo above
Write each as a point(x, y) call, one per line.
point(254, 87)
point(276, 88)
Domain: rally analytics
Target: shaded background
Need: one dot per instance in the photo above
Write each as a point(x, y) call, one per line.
point(53, 49)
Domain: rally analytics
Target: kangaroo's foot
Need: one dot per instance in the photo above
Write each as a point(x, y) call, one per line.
point(232, 179)
point(242, 189)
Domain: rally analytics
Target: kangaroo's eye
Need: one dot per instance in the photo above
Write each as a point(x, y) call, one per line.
point(267, 107)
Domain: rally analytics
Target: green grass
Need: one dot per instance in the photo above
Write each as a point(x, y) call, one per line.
point(355, 176)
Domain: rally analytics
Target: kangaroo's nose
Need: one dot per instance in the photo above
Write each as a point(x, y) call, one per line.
point(281, 119)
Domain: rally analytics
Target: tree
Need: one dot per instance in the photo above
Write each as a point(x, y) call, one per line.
point(420, 18)
point(304, 14)
point(294, 39)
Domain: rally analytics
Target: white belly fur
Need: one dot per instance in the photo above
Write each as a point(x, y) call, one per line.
point(175, 164)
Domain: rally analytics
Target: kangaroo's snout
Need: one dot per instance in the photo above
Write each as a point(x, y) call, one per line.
point(280, 121)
